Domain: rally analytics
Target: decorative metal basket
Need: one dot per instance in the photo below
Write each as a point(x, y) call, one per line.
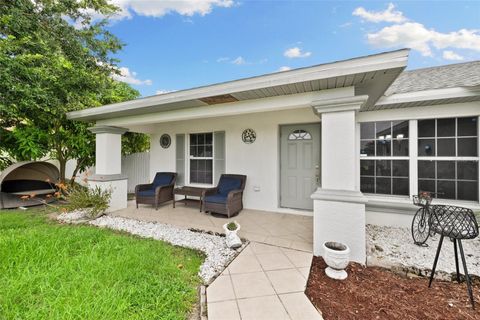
point(454, 222)
point(423, 199)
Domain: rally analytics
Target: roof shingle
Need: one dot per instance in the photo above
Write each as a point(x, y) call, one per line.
point(454, 75)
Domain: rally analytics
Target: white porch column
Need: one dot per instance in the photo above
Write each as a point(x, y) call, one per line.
point(339, 206)
point(108, 165)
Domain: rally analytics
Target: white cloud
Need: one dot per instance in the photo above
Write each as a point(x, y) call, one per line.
point(418, 37)
point(130, 77)
point(411, 34)
point(450, 55)
point(296, 52)
point(164, 91)
point(404, 33)
point(284, 68)
point(389, 15)
point(159, 8)
point(239, 60)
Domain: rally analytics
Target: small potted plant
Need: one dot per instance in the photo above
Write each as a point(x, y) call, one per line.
point(232, 239)
point(337, 257)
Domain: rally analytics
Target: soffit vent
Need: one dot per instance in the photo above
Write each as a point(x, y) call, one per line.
point(223, 98)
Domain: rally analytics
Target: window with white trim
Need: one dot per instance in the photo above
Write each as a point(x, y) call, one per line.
point(300, 135)
point(201, 158)
point(448, 157)
point(384, 151)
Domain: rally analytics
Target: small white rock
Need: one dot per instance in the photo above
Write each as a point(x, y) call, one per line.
point(399, 249)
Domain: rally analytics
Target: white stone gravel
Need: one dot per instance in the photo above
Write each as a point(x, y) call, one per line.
point(391, 246)
point(73, 216)
point(217, 252)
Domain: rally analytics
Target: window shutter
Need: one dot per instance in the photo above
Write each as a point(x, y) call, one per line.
point(219, 154)
point(180, 158)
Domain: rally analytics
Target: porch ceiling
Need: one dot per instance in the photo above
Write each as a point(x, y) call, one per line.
point(371, 75)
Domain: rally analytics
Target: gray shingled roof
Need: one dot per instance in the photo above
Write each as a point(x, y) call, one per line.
point(454, 75)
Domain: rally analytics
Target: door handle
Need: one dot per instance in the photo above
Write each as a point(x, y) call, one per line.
point(317, 174)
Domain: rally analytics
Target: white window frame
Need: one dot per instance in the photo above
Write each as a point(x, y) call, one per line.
point(413, 150)
point(447, 158)
point(190, 157)
point(375, 157)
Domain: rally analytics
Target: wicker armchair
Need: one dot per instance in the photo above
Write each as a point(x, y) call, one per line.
point(226, 198)
point(159, 191)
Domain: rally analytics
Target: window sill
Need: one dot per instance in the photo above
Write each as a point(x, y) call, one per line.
point(199, 185)
point(404, 205)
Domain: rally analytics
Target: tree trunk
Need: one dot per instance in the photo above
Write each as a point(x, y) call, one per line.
point(62, 164)
point(75, 172)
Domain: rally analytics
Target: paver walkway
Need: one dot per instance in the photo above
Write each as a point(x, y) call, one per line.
point(264, 282)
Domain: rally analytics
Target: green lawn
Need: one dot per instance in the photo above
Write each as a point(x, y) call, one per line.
point(52, 271)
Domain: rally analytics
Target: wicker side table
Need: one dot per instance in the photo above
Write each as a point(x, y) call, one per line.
point(188, 192)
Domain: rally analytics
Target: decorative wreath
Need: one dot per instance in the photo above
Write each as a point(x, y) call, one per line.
point(165, 141)
point(249, 136)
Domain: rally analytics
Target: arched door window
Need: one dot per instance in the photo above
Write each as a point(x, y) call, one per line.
point(300, 135)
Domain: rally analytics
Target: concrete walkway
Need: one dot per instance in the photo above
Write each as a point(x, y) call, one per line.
point(264, 282)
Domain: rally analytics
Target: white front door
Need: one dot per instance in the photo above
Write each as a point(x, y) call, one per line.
point(299, 164)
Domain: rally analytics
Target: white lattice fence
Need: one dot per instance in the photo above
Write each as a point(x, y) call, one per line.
point(137, 168)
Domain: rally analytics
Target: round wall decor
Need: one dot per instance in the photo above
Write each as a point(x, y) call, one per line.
point(249, 136)
point(165, 141)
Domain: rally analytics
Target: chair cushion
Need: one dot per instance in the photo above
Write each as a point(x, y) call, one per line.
point(147, 193)
point(162, 179)
point(218, 198)
point(228, 184)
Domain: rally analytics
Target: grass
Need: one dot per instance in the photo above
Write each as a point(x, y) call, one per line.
point(52, 271)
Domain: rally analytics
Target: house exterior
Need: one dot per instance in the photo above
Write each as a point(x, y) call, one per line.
point(348, 142)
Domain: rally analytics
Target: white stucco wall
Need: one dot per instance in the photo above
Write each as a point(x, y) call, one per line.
point(259, 161)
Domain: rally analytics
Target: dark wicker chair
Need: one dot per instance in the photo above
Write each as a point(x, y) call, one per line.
point(226, 198)
point(159, 191)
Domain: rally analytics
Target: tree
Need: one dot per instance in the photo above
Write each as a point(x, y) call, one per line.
point(53, 60)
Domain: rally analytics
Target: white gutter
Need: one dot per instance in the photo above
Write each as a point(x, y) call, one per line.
point(428, 95)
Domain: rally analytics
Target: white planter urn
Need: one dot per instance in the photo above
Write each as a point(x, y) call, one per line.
point(337, 257)
point(232, 239)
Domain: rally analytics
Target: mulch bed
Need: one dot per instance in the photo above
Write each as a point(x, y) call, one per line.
point(377, 293)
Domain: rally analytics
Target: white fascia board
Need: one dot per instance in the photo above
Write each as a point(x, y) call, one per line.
point(382, 61)
point(278, 103)
point(464, 109)
point(427, 95)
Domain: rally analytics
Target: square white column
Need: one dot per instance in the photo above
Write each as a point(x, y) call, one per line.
point(108, 165)
point(339, 206)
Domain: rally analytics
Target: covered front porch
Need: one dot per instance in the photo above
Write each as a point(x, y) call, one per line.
point(273, 228)
point(200, 134)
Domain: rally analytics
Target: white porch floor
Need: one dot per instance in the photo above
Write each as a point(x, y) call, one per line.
point(278, 229)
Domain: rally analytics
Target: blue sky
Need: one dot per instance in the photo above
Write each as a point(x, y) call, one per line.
point(173, 45)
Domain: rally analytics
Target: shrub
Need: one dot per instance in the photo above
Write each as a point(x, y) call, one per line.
point(94, 200)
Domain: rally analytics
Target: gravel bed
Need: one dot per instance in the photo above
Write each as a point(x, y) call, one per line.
point(217, 252)
point(76, 216)
point(391, 246)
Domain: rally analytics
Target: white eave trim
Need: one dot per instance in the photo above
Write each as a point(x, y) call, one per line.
point(428, 95)
point(382, 61)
